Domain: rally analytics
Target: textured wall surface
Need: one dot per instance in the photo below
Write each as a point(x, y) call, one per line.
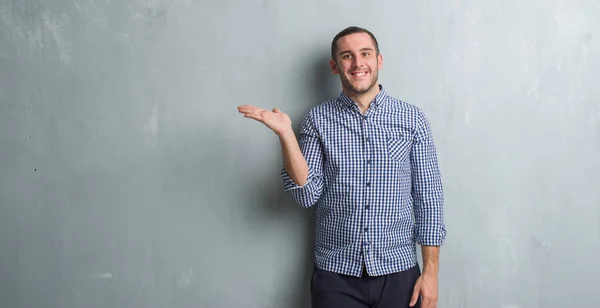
point(128, 179)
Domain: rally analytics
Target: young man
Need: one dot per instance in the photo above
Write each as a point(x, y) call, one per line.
point(368, 162)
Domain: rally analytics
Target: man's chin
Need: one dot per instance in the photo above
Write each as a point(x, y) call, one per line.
point(358, 90)
point(361, 90)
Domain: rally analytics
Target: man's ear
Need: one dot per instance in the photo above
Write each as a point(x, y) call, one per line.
point(333, 67)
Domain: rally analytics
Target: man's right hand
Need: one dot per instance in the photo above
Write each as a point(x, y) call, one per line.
point(276, 120)
point(280, 123)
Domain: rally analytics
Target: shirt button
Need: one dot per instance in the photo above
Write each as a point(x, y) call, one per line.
point(368, 161)
point(368, 184)
point(367, 206)
point(366, 229)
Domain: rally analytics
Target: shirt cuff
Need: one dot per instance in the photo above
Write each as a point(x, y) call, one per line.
point(307, 194)
point(431, 235)
point(289, 184)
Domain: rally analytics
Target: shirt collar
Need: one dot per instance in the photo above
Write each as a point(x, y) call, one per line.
point(379, 98)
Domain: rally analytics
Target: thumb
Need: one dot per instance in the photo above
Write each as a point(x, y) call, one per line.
point(415, 296)
point(276, 110)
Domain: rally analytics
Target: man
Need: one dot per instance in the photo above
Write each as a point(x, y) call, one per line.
point(368, 162)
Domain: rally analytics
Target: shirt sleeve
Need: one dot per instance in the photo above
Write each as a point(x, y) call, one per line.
point(427, 191)
point(311, 147)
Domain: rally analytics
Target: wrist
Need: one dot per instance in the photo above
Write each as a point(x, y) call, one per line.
point(430, 269)
point(286, 134)
point(430, 261)
point(430, 273)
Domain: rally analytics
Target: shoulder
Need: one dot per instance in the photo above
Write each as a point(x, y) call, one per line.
point(401, 106)
point(324, 111)
point(325, 107)
point(405, 111)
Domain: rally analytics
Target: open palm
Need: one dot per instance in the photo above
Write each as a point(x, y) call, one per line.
point(275, 119)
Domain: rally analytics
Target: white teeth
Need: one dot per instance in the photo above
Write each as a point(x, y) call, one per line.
point(359, 74)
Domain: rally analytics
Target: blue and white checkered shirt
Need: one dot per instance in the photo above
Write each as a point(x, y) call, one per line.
point(366, 175)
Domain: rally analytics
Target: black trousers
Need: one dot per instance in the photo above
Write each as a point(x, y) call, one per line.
point(331, 290)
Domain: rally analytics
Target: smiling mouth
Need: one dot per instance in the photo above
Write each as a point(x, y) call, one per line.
point(358, 74)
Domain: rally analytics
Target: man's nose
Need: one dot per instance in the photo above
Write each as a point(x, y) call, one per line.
point(357, 61)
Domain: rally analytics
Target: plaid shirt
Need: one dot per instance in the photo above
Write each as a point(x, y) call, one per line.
point(366, 175)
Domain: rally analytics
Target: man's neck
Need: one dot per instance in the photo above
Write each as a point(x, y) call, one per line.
point(363, 100)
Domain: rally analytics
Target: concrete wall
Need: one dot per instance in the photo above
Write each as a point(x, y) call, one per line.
point(128, 179)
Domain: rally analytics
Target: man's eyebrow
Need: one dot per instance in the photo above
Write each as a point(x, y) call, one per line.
point(362, 49)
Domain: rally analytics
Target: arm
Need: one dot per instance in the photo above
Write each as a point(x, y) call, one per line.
point(426, 286)
point(428, 199)
point(427, 191)
point(430, 260)
point(293, 160)
point(302, 158)
point(303, 164)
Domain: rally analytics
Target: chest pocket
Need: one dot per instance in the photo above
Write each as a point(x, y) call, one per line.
point(399, 145)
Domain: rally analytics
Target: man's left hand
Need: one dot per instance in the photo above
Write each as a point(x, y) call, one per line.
point(427, 287)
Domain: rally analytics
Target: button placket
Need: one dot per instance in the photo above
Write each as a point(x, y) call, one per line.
point(367, 174)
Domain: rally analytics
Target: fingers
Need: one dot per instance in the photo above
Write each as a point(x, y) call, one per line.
point(249, 109)
point(253, 109)
point(256, 117)
point(426, 301)
point(415, 295)
point(427, 304)
point(254, 112)
point(251, 112)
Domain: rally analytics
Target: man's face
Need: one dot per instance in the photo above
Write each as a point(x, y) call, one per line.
point(357, 63)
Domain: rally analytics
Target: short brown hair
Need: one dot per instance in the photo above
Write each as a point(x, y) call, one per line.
point(351, 30)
